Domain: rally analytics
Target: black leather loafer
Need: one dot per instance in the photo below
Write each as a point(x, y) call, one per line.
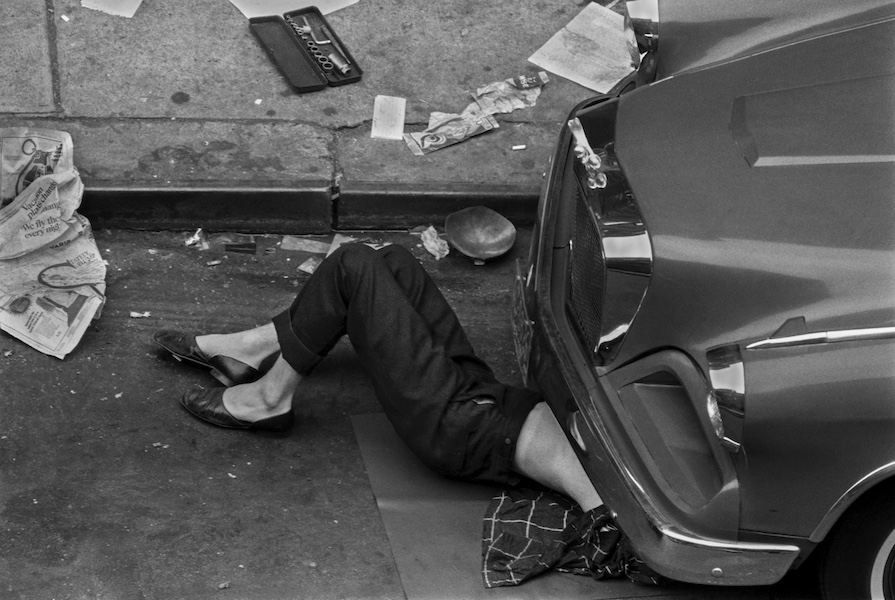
point(228, 371)
point(208, 405)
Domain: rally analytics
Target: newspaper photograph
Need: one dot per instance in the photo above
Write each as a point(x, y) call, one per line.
point(52, 277)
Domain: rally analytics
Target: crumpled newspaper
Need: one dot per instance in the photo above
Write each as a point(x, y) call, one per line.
point(52, 277)
point(446, 129)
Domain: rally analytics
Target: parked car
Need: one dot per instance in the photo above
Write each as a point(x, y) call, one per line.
point(709, 301)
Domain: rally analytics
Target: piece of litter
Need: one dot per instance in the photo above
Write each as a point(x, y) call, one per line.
point(509, 95)
point(119, 394)
point(7, 353)
point(293, 242)
point(448, 129)
point(213, 263)
point(436, 246)
point(156, 444)
point(388, 118)
point(65, 18)
point(310, 265)
point(224, 585)
point(153, 251)
point(139, 315)
point(198, 239)
point(232, 476)
point(592, 50)
point(258, 101)
point(519, 147)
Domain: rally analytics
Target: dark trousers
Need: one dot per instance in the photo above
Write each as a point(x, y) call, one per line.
point(442, 399)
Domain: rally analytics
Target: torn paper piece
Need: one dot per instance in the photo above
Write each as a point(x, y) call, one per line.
point(292, 242)
point(310, 265)
point(592, 50)
point(388, 118)
point(119, 8)
point(198, 239)
point(139, 315)
point(339, 240)
point(436, 246)
point(266, 8)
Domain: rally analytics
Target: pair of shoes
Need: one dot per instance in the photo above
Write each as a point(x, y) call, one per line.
point(228, 371)
point(208, 405)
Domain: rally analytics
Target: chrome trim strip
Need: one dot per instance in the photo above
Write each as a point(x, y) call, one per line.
point(726, 545)
point(824, 337)
point(846, 499)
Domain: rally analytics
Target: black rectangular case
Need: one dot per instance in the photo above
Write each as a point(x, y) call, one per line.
point(306, 49)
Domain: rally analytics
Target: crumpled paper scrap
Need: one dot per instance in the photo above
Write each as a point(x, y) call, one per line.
point(510, 94)
point(436, 246)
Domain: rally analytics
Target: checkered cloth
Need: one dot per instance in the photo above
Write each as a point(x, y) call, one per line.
point(527, 532)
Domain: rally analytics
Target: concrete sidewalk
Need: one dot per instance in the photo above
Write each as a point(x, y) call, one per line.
point(169, 132)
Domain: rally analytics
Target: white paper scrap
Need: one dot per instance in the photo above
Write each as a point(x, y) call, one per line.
point(292, 242)
point(266, 8)
point(388, 118)
point(119, 8)
point(592, 49)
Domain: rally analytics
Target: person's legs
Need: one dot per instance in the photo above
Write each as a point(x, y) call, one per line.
point(543, 453)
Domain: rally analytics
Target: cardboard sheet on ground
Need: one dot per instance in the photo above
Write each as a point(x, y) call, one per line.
point(592, 49)
point(434, 526)
point(266, 8)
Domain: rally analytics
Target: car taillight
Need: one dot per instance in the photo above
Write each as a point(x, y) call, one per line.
point(727, 397)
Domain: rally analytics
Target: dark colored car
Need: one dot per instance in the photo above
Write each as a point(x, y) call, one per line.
point(709, 302)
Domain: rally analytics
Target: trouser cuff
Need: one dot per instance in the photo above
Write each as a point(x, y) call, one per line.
point(293, 349)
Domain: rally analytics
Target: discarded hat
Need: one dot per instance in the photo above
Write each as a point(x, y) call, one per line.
point(479, 232)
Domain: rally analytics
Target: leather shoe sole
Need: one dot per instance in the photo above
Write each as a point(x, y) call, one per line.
point(208, 405)
point(229, 371)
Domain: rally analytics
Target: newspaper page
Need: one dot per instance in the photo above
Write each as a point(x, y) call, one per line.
point(52, 277)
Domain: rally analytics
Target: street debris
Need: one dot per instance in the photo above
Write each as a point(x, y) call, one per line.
point(198, 239)
point(498, 97)
point(310, 265)
point(436, 246)
point(213, 263)
point(139, 315)
point(65, 18)
point(388, 118)
point(52, 277)
point(119, 8)
point(292, 242)
point(592, 50)
point(519, 147)
point(224, 586)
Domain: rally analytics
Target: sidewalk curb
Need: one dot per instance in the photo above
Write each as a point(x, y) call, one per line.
point(313, 207)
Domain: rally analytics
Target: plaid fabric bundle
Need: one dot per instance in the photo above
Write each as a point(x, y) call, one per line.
point(527, 532)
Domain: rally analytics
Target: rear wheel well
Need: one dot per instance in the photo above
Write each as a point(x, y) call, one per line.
point(857, 558)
